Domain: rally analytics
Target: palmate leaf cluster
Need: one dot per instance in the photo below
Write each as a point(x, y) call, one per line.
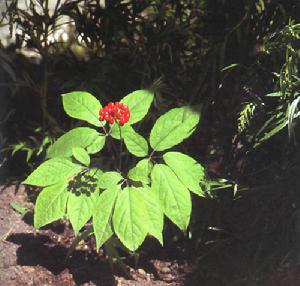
point(130, 205)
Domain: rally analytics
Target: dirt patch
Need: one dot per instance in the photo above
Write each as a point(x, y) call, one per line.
point(31, 257)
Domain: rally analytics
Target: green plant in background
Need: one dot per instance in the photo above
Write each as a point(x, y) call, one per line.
point(36, 145)
point(34, 26)
point(284, 100)
point(7, 87)
point(129, 200)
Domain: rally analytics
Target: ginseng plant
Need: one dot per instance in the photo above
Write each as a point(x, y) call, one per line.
point(129, 202)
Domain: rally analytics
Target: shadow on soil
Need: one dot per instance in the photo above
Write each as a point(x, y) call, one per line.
point(40, 250)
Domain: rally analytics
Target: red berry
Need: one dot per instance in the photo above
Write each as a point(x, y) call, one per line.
point(114, 111)
point(110, 120)
point(111, 108)
point(110, 104)
point(101, 114)
point(118, 115)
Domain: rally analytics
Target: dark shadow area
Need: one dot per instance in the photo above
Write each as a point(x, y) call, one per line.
point(56, 227)
point(28, 218)
point(249, 240)
point(39, 250)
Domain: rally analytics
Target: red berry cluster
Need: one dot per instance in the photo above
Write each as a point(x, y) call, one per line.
point(114, 111)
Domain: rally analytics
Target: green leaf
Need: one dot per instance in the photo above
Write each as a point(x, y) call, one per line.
point(51, 204)
point(18, 208)
point(80, 208)
point(103, 214)
point(109, 179)
point(274, 94)
point(82, 105)
point(229, 67)
point(140, 173)
point(173, 194)
point(189, 171)
point(145, 164)
point(29, 154)
point(77, 137)
point(97, 145)
point(137, 174)
point(173, 127)
point(17, 147)
point(53, 171)
point(155, 213)
point(115, 130)
point(93, 176)
point(129, 218)
point(46, 141)
point(138, 103)
point(81, 155)
point(273, 125)
point(136, 144)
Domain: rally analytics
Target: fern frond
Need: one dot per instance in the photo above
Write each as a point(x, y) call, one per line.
point(246, 114)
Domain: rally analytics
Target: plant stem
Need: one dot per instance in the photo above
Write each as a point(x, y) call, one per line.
point(151, 154)
point(121, 149)
point(103, 128)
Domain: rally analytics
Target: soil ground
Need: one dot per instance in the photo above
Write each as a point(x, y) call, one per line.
point(38, 257)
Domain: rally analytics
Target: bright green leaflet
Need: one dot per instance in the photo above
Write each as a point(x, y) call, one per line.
point(77, 137)
point(103, 214)
point(141, 171)
point(109, 179)
point(188, 171)
point(136, 144)
point(173, 194)
point(53, 171)
point(94, 176)
point(80, 208)
point(130, 218)
point(173, 127)
point(138, 103)
point(51, 204)
point(82, 105)
point(97, 145)
point(155, 213)
point(115, 130)
point(145, 164)
point(138, 174)
point(81, 155)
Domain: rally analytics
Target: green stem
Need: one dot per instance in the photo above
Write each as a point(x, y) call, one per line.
point(121, 149)
point(110, 146)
